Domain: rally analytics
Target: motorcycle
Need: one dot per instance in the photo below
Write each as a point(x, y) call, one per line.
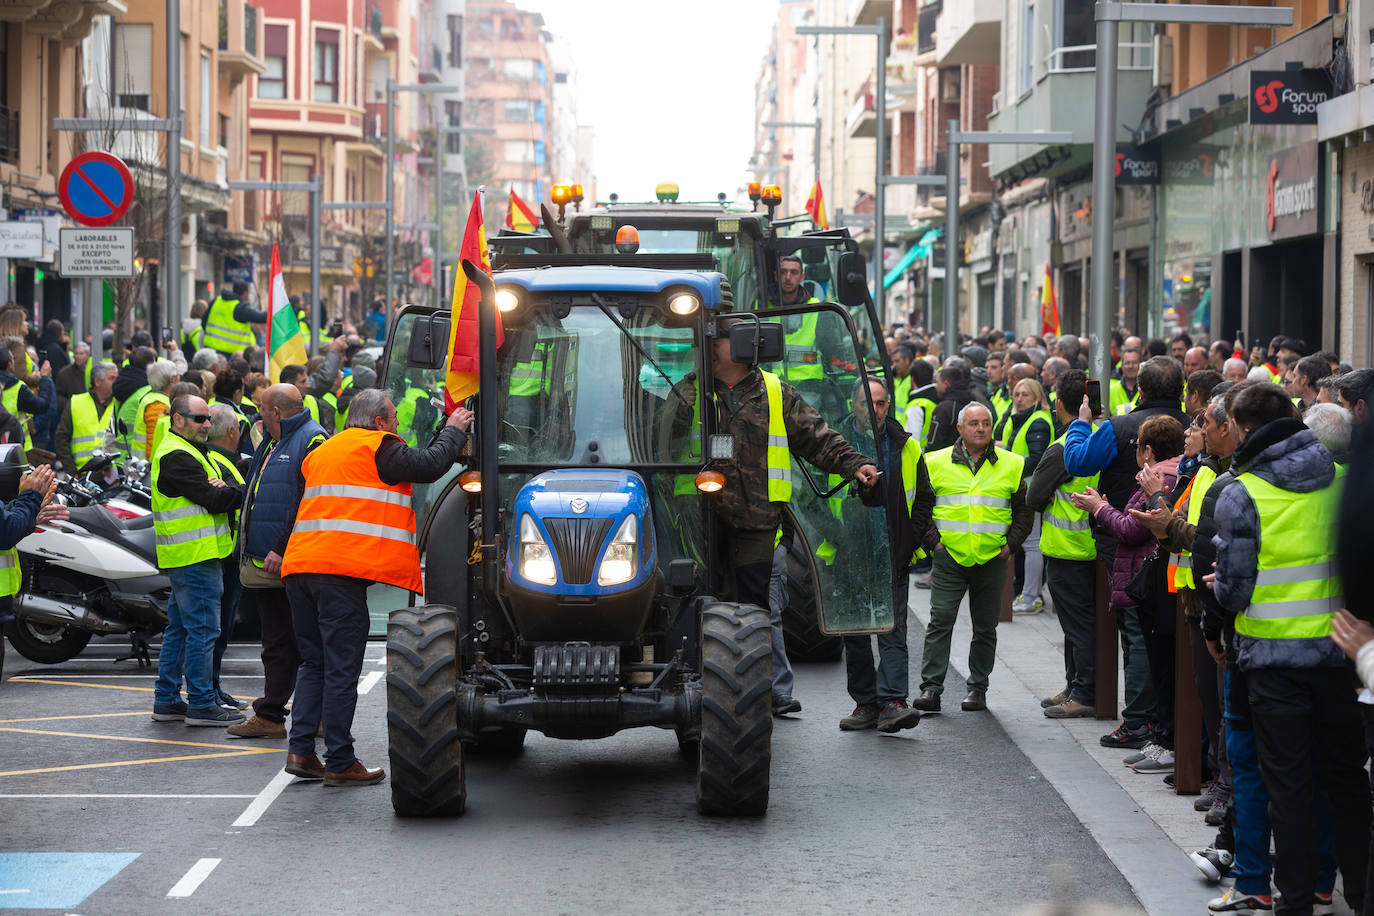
point(95, 573)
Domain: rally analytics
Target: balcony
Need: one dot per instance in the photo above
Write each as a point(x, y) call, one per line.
point(969, 32)
point(863, 116)
point(927, 22)
point(866, 12)
point(431, 65)
point(238, 41)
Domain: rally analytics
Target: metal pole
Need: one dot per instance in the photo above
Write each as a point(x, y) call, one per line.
point(436, 275)
point(1104, 204)
point(171, 268)
point(316, 192)
point(390, 193)
point(95, 308)
point(951, 238)
point(880, 170)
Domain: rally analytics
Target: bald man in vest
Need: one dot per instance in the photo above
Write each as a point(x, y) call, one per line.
point(355, 526)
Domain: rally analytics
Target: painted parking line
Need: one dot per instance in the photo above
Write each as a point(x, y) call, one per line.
point(221, 751)
point(89, 715)
point(369, 682)
point(35, 680)
point(258, 807)
point(112, 795)
point(193, 878)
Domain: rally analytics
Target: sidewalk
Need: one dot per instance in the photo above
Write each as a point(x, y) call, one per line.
point(1144, 828)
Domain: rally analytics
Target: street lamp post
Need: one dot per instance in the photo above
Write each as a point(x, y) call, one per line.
point(392, 87)
point(1110, 14)
point(878, 30)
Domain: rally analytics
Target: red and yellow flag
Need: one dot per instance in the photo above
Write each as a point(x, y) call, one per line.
point(1049, 306)
point(815, 205)
point(461, 382)
point(519, 216)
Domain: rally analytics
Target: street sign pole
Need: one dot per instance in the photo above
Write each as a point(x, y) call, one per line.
point(171, 268)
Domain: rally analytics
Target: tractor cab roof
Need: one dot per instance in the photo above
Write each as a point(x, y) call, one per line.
point(711, 287)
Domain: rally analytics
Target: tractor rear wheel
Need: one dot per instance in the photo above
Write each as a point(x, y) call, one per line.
point(427, 778)
point(736, 710)
point(801, 619)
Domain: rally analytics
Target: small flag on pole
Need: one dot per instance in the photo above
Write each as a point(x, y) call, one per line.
point(285, 345)
point(461, 382)
point(519, 216)
point(1049, 306)
point(815, 205)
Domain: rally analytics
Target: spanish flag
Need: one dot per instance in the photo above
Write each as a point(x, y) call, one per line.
point(815, 205)
point(1049, 307)
point(461, 382)
point(519, 216)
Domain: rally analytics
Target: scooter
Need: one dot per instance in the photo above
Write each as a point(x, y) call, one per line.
point(95, 573)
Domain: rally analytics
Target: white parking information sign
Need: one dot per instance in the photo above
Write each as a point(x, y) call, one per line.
point(106, 252)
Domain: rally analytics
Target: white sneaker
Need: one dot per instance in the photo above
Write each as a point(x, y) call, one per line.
point(1144, 753)
point(1214, 863)
point(1233, 901)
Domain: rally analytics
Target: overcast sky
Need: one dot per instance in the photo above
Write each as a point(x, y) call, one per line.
point(669, 88)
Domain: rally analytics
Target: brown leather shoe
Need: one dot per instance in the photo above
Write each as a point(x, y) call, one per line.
point(928, 701)
point(355, 775)
point(258, 727)
point(976, 701)
point(306, 766)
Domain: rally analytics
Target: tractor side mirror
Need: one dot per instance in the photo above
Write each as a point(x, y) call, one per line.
point(852, 287)
point(745, 348)
point(429, 342)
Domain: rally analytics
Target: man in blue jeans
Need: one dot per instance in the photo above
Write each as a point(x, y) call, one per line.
point(191, 506)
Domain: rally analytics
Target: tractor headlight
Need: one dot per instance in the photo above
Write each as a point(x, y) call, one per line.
point(507, 300)
point(684, 304)
point(618, 563)
point(536, 560)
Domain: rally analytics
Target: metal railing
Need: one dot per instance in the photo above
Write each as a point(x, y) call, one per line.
point(1134, 55)
point(926, 20)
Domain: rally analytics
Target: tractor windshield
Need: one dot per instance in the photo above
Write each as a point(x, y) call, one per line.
point(578, 391)
point(734, 251)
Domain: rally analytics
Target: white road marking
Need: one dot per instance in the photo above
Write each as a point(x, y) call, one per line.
point(370, 681)
point(263, 800)
point(16, 890)
point(113, 795)
point(193, 878)
point(128, 677)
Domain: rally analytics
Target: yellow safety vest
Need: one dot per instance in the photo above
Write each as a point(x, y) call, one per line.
point(223, 332)
point(779, 455)
point(140, 431)
point(1018, 439)
point(186, 532)
point(11, 402)
point(1183, 562)
point(801, 356)
point(1297, 589)
point(11, 575)
point(1119, 402)
point(973, 511)
point(88, 428)
point(1064, 530)
point(911, 463)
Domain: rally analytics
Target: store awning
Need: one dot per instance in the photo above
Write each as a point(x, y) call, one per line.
point(921, 249)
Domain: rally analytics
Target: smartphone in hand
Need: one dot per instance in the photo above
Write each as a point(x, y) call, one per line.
point(1095, 397)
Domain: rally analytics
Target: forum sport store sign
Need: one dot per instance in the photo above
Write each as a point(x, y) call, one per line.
point(1290, 192)
point(1287, 96)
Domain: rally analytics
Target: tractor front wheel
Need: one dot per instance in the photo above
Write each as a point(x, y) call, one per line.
point(736, 710)
point(427, 778)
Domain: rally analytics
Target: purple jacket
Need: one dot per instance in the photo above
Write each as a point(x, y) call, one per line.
point(1134, 542)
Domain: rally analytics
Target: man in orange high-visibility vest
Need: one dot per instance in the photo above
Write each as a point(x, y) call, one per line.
point(355, 516)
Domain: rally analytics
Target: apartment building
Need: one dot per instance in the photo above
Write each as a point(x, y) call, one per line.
point(785, 92)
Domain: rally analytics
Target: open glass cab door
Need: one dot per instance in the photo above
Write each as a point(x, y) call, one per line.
point(848, 543)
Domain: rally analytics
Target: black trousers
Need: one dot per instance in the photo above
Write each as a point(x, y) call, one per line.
point(281, 658)
point(1367, 714)
point(1307, 723)
point(331, 620)
point(1073, 587)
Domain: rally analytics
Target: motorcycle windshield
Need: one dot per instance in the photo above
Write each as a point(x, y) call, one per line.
point(849, 543)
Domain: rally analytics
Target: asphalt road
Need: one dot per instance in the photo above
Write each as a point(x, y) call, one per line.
point(947, 818)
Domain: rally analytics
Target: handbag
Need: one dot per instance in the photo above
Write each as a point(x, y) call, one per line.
point(251, 575)
point(1144, 585)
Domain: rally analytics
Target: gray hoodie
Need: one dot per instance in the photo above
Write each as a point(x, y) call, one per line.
point(1286, 454)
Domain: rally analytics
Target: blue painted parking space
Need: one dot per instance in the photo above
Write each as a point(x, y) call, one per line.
point(56, 880)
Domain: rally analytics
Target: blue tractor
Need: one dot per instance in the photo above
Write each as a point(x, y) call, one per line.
point(573, 578)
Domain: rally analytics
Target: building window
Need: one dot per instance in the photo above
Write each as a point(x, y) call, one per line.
point(516, 68)
point(519, 110)
point(326, 65)
point(453, 114)
point(275, 45)
point(1027, 46)
point(206, 109)
point(521, 151)
point(296, 168)
point(132, 77)
point(455, 41)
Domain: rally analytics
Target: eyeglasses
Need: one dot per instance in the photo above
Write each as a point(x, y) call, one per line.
point(197, 417)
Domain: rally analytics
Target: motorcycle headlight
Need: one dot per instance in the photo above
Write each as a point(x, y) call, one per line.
point(536, 560)
point(618, 562)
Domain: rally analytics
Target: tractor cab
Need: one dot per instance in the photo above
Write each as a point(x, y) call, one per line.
point(573, 564)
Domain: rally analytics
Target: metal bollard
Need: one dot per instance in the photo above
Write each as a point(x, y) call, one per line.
point(1105, 651)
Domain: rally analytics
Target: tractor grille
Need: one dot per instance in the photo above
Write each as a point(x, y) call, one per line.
point(577, 541)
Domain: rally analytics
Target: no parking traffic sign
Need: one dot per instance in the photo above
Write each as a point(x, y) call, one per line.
point(96, 188)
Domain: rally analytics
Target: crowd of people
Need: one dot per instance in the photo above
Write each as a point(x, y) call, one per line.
point(1221, 489)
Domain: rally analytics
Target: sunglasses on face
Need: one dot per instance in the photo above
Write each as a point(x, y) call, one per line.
point(197, 417)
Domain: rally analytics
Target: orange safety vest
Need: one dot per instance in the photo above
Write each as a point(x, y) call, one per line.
point(349, 522)
point(1174, 558)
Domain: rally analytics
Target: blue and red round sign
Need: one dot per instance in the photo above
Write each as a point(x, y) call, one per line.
point(96, 188)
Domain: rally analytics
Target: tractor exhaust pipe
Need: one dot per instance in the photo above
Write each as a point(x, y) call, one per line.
point(488, 425)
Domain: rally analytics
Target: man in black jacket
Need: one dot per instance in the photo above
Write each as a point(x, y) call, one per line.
point(881, 700)
point(955, 385)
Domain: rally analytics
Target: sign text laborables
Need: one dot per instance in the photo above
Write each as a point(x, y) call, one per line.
point(1136, 165)
point(1287, 96)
